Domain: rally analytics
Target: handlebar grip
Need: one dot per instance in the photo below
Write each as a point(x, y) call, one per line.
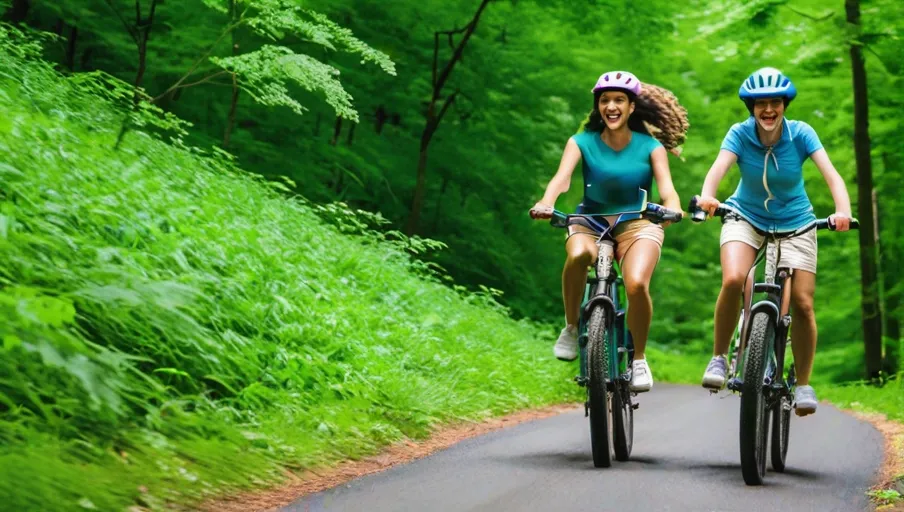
point(824, 224)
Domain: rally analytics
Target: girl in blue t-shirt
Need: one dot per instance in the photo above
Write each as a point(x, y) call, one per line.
point(619, 156)
point(770, 151)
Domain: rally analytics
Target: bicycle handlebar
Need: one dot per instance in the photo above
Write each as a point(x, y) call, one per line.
point(653, 212)
point(699, 215)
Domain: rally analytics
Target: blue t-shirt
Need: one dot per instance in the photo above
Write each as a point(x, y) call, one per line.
point(776, 201)
point(611, 178)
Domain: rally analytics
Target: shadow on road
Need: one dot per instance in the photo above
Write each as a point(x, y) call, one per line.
point(582, 461)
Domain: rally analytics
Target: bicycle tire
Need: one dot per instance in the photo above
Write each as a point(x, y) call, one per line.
point(622, 421)
point(781, 427)
point(754, 415)
point(598, 395)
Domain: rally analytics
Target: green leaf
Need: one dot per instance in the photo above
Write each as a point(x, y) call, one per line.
point(172, 371)
point(11, 341)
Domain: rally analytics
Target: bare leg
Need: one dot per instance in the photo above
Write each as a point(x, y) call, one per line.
point(737, 259)
point(581, 253)
point(637, 270)
point(803, 328)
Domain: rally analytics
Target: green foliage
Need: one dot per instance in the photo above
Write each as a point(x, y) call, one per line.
point(267, 72)
point(174, 325)
point(887, 398)
point(224, 316)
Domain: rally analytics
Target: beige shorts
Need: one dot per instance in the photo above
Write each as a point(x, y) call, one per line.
point(625, 234)
point(798, 253)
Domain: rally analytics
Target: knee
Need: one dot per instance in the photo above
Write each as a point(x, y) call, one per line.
point(578, 257)
point(733, 280)
point(636, 287)
point(802, 304)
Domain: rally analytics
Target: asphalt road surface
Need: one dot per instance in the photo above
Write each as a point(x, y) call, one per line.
point(685, 458)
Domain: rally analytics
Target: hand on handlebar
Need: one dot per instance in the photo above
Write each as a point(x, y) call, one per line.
point(541, 211)
point(840, 221)
point(708, 204)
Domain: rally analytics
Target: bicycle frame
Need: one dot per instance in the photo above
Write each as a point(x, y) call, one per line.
point(776, 305)
point(611, 297)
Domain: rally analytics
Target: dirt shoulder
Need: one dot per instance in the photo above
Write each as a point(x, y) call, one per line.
point(890, 476)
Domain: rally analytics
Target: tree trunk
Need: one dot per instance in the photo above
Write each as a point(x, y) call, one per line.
point(351, 134)
point(18, 12)
point(233, 106)
point(871, 305)
point(433, 119)
point(381, 117)
point(143, 31)
point(337, 130)
point(70, 48)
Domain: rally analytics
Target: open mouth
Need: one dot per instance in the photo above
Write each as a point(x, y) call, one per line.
point(613, 118)
point(769, 119)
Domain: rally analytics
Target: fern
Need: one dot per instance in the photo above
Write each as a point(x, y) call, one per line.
point(350, 43)
point(266, 74)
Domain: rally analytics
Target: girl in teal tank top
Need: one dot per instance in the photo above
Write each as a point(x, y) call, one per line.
point(618, 156)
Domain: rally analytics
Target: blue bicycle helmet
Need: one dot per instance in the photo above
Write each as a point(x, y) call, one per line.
point(766, 83)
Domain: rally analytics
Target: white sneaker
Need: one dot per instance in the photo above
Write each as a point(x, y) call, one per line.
point(566, 347)
point(716, 373)
point(641, 378)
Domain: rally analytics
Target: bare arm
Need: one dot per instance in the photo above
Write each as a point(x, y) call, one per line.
point(717, 171)
point(834, 180)
point(560, 183)
point(842, 214)
point(660, 161)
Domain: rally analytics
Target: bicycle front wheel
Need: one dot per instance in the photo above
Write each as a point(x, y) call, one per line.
point(754, 415)
point(598, 395)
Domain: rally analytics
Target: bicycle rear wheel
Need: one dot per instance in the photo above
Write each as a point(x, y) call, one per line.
point(754, 415)
point(598, 395)
point(781, 426)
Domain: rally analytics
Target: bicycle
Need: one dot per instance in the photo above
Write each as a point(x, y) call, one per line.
point(756, 367)
point(606, 349)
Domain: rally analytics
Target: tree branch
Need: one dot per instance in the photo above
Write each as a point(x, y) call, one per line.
point(203, 80)
point(151, 18)
point(469, 30)
point(446, 105)
point(435, 57)
point(436, 35)
point(810, 16)
point(194, 66)
point(879, 58)
point(123, 20)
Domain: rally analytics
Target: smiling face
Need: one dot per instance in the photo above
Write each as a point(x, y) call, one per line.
point(769, 113)
point(616, 108)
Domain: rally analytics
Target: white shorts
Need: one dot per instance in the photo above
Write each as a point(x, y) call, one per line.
point(798, 252)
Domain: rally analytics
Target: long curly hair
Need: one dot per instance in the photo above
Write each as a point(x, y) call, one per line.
point(656, 113)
